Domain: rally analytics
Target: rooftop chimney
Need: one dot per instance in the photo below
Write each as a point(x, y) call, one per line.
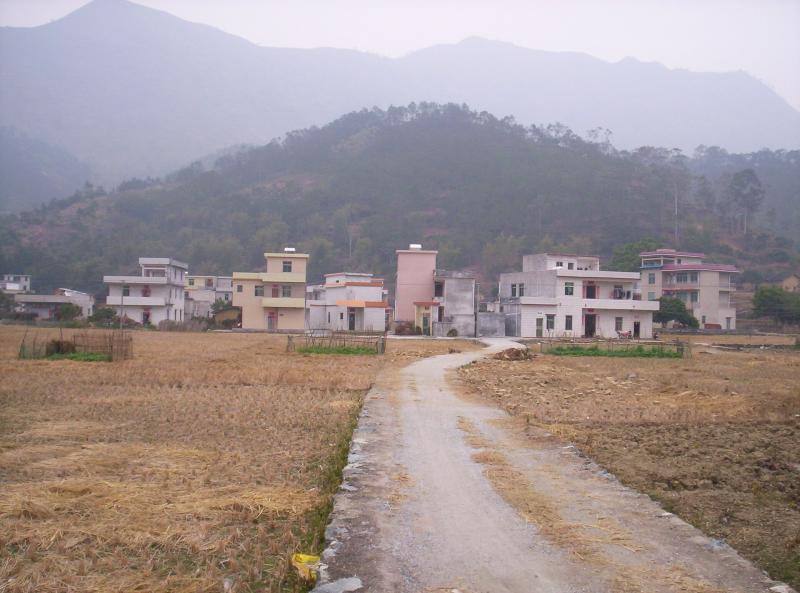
point(415, 246)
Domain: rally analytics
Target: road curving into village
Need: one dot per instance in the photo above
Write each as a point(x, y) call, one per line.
point(442, 494)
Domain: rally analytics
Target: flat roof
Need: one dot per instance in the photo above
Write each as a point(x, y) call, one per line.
point(671, 252)
point(162, 261)
point(285, 254)
point(429, 251)
point(350, 274)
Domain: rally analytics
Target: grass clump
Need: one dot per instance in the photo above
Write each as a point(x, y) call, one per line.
point(336, 350)
point(81, 356)
point(637, 352)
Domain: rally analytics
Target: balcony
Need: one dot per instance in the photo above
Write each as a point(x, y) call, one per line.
point(154, 280)
point(136, 301)
point(620, 304)
point(283, 302)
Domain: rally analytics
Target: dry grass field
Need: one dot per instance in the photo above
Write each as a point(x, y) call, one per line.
point(207, 457)
point(715, 438)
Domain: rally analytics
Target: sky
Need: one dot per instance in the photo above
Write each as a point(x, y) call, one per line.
point(761, 37)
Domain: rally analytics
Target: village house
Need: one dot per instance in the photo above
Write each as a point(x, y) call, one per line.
point(273, 300)
point(201, 292)
point(791, 283)
point(563, 295)
point(348, 301)
point(438, 302)
point(15, 283)
point(154, 296)
point(706, 289)
point(46, 306)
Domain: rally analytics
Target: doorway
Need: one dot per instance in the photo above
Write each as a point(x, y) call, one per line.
point(590, 325)
point(591, 291)
point(276, 291)
point(637, 329)
point(351, 320)
point(539, 327)
point(426, 324)
point(145, 317)
point(272, 321)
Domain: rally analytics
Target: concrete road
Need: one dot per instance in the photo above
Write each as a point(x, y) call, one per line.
point(420, 512)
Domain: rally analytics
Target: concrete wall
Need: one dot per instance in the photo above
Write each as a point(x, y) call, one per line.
point(415, 270)
point(537, 283)
point(459, 307)
point(605, 321)
point(491, 324)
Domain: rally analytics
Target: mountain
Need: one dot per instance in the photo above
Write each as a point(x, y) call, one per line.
point(32, 172)
point(137, 92)
point(482, 190)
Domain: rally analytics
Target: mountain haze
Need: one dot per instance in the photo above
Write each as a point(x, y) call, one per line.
point(133, 91)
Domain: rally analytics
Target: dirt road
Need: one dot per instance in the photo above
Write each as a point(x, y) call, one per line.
point(441, 495)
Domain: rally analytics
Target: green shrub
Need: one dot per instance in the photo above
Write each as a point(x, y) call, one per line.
point(637, 352)
point(336, 350)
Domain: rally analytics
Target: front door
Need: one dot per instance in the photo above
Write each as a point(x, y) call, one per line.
point(539, 327)
point(351, 319)
point(590, 326)
point(426, 324)
point(272, 321)
point(636, 329)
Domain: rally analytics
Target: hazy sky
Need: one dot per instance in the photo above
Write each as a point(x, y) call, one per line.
point(761, 37)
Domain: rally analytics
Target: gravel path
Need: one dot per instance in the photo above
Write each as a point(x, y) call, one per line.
point(420, 512)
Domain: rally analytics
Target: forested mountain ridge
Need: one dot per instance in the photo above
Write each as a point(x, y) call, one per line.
point(480, 189)
point(133, 91)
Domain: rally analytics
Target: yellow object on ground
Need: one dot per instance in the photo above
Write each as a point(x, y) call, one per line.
point(306, 565)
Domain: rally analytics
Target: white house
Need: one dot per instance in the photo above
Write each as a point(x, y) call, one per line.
point(154, 296)
point(15, 283)
point(201, 292)
point(348, 301)
point(46, 306)
point(560, 295)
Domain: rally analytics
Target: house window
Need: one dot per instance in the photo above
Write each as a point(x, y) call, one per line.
point(209, 283)
point(617, 294)
point(226, 297)
point(513, 290)
point(651, 278)
point(568, 323)
point(438, 289)
point(238, 288)
point(521, 290)
point(651, 296)
point(693, 276)
point(341, 316)
point(551, 322)
point(681, 277)
point(126, 290)
point(704, 319)
point(569, 288)
point(191, 281)
point(259, 290)
point(570, 266)
point(287, 266)
point(559, 264)
point(286, 291)
point(693, 296)
point(186, 294)
point(618, 324)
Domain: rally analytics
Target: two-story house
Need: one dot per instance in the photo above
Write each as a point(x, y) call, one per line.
point(15, 283)
point(705, 288)
point(201, 292)
point(273, 300)
point(563, 295)
point(154, 296)
point(437, 301)
point(348, 301)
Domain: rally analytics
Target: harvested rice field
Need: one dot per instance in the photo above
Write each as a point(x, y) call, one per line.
point(200, 465)
point(715, 438)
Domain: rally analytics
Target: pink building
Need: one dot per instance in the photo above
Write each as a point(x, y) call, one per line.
point(415, 280)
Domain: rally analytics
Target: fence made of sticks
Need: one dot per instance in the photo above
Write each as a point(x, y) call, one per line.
point(116, 345)
point(333, 339)
point(678, 346)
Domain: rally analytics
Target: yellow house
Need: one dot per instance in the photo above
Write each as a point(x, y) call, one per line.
point(274, 300)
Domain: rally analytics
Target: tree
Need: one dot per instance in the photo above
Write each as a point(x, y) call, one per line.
point(68, 312)
point(6, 305)
point(220, 305)
point(626, 257)
point(746, 193)
point(673, 309)
point(774, 302)
point(104, 317)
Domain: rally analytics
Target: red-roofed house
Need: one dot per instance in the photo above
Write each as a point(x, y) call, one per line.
point(705, 288)
point(348, 301)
